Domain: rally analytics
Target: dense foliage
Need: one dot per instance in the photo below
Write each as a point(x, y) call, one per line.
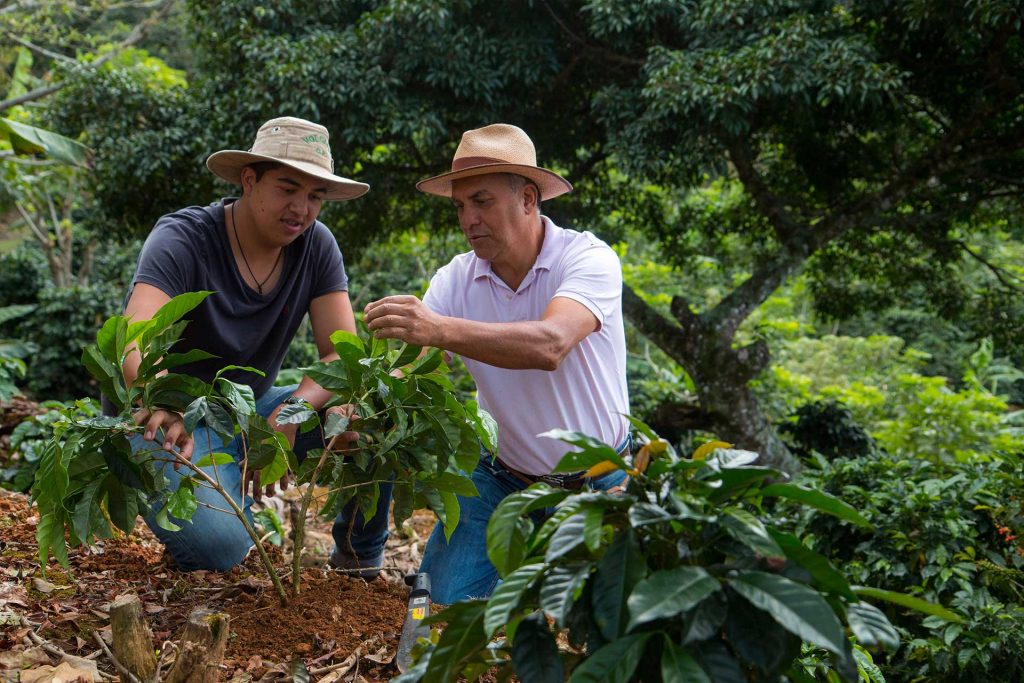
point(946, 531)
point(681, 578)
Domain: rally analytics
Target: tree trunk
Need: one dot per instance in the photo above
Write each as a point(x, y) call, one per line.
point(201, 650)
point(133, 641)
point(721, 373)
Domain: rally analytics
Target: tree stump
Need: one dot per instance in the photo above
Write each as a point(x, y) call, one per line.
point(133, 641)
point(201, 650)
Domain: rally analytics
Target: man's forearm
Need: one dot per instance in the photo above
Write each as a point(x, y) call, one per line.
point(528, 345)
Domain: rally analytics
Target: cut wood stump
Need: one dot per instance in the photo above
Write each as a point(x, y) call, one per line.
point(201, 650)
point(133, 641)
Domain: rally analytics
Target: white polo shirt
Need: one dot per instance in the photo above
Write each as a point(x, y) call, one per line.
point(587, 393)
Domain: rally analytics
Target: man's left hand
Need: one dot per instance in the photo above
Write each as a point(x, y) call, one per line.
point(405, 318)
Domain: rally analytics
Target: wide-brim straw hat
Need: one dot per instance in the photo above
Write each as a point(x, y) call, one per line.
point(293, 142)
point(498, 148)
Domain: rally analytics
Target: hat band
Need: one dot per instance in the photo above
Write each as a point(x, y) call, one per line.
point(469, 162)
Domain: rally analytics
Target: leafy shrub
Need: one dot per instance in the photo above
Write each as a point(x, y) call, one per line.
point(905, 412)
point(680, 578)
point(29, 438)
point(65, 321)
point(23, 274)
point(944, 531)
point(828, 428)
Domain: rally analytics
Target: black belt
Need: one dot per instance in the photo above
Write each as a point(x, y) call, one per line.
point(573, 481)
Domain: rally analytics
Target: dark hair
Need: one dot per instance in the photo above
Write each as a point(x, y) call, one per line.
point(261, 167)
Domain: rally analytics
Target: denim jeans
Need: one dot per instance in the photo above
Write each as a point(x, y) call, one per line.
point(215, 539)
point(460, 569)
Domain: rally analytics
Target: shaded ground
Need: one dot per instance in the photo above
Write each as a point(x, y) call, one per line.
point(340, 628)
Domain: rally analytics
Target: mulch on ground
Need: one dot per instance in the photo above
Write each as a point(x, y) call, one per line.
point(340, 628)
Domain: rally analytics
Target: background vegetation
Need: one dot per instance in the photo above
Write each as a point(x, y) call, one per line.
point(817, 205)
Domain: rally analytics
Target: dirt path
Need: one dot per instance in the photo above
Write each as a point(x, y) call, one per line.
point(342, 629)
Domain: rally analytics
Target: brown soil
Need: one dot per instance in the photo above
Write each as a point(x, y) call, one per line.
point(335, 621)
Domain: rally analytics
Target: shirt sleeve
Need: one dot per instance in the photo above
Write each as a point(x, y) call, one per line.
point(167, 260)
point(331, 275)
point(592, 276)
point(438, 295)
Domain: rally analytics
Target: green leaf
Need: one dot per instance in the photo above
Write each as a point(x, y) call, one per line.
point(295, 414)
point(271, 523)
point(50, 538)
point(507, 530)
point(240, 396)
point(166, 316)
point(163, 521)
point(211, 459)
point(666, 593)
point(173, 360)
point(757, 638)
point(820, 567)
point(106, 374)
point(613, 663)
point(336, 425)
point(505, 599)
point(486, 426)
point(26, 139)
point(277, 467)
point(406, 355)
point(426, 363)
point(677, 666)
point(452, 513)
point(535, 655)
point(182, 503)
point(196, 413)
point(592, 451)
point(561, 588)
point(799, 609)
point(332, 376)
point(110, 339)
point(908, 601)
point(122, 504)
point(567, 537)
point(818, 500)
point(871, 627)
point(462, 637)
point(618, 572)
point(749, 530)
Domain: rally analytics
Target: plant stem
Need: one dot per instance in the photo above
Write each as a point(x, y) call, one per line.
point(267, 564)
point(300, 521)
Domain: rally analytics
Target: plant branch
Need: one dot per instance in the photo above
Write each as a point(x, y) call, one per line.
point(1004, 276)
point(57, 56)
point(137, 34)
point(110, 655)
point(743, 159)
point(275, 579)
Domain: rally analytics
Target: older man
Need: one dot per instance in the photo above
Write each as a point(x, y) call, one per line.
point(535, 312)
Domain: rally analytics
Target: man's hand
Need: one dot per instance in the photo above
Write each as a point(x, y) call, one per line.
point(252, 477)
point(346, 440)
point(405, 318)
point(172, 427)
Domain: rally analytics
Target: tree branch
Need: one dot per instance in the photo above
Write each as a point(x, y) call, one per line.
point(603, 51)
point(137, 34)
point(1004, 276)
point(743, 160)
point(653, 325)
point(41, 50)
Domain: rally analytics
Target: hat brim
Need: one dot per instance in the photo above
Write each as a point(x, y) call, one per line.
point(228, 164)
point(550, 183)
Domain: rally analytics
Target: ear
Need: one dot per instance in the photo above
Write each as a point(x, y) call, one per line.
point(531, 195)
point(248, 180)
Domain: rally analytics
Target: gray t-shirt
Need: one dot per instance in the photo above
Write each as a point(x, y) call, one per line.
point(188, 251)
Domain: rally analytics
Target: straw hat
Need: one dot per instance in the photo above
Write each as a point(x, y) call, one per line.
point(498, 148)
point(296, 143)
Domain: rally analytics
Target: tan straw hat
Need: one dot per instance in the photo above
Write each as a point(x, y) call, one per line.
point(498, 148)
point(296, 143)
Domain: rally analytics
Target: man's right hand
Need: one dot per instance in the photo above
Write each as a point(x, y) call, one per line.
point(168, 425)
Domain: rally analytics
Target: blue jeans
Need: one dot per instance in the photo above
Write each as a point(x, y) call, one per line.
point(215, 538)
point(460, 569)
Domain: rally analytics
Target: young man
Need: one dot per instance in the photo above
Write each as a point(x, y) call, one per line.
point(535, 312)
point(269, 262)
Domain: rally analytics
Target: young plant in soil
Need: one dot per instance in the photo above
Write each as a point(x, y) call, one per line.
point(412, 431)
point(685, 576)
